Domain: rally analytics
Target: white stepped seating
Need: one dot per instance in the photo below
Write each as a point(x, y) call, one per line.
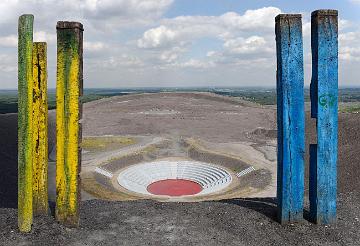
point(138, 177)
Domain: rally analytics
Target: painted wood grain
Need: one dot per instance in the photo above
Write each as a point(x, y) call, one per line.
point(40, 129)
point(25, 91)
point(290, 117)
point(68, 115)
point(324, 107)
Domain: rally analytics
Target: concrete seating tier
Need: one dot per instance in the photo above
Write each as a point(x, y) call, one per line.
point(138, 177)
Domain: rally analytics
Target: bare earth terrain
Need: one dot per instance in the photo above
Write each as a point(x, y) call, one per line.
point(147, 127)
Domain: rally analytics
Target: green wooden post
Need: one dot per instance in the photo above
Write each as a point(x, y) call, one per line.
point(25, 91)
point(68, 115)
point(40, 128)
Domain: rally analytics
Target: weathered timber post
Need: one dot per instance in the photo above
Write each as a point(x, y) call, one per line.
point(324, 107)
point(25, 94)
point(40, 130)
point(68, 114)
point(290, 117)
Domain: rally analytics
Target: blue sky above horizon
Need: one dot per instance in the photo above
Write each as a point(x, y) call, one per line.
point(174, 43)
point(216, 7)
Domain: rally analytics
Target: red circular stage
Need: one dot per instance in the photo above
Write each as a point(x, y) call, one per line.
point(174, 187)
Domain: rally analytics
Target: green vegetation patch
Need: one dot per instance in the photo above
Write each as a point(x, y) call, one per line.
point(355, 109)
point(105, 143)
point(91, 186)
point(260, 95)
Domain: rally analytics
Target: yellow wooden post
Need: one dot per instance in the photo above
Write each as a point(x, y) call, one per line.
point(40, 130)
point(68, 115)
point(25, 92)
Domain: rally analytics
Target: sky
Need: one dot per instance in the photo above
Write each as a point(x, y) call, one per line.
point(176, 43)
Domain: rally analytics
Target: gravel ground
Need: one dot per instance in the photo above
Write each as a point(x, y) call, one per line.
point(199, 115)
point(232, 222)
point(249, 221)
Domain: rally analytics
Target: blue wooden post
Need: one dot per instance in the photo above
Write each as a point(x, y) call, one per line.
point(324, 107)
point(290, 117)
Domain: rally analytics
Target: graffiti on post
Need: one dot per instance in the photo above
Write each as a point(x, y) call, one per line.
point(327, 100)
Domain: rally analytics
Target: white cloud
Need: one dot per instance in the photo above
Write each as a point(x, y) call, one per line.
point(306, 29)
point(246, 34)
point(102, 65)
point(110, 13)
point(42, 36)
point(184, 29)
point(349, 46)
point(211, 53)
point(105, 23)
point(171, 55)
point(8, 63)
point(9, 41)
point(194, 63)
point(8, 68)
point(343, 24)
point(94, 46)
point(157, 37)
point(125, 13)
point(251, 45)
point(109, 8)
point(132, 37)
point(252, 19)
point(348, 37)
point(245, 52)
point(350, 54)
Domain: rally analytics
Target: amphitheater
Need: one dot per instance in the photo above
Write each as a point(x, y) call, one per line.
point(139, 177)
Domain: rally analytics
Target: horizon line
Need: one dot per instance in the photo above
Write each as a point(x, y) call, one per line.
point(187, 87)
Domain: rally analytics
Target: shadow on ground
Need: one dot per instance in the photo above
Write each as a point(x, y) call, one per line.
point(9, 157)
point(265, 206)
point(8, 161)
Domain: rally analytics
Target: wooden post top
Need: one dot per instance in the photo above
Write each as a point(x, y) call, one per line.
point(287, 16)
point(26, 16)
point(40, 43)
point(69, 25)
point(324, 12)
